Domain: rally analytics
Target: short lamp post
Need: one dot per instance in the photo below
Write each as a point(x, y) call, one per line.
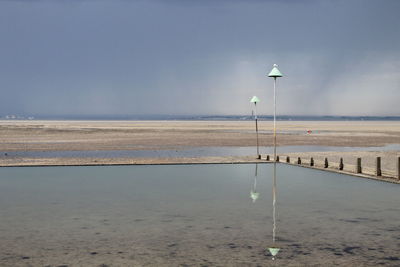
point(255, 100)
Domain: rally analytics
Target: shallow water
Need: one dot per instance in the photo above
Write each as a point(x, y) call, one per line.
point(194, 215)
point(188, 152)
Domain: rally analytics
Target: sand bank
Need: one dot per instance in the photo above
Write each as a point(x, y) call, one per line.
point(143, 135)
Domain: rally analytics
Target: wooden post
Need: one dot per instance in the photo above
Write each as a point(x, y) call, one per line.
point(341, 165)
point(358, 166)
point(277, 158)
point(312, 162)
point(326, 163)
point(298, 160)
point(378, 166)
point(267, 157)
point(288, 159)
point(398, 168)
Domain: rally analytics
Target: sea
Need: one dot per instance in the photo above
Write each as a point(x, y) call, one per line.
point(200, 117)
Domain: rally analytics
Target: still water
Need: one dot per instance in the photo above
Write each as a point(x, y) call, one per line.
point(186, 152)
point(195, 215)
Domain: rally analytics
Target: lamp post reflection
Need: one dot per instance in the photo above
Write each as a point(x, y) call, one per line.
point(253, 192)
point(274, 249)
point(254, 195)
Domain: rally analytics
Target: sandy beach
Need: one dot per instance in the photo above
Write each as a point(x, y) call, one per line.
point(142, 135)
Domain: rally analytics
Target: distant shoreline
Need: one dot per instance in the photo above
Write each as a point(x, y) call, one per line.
point(195, 118)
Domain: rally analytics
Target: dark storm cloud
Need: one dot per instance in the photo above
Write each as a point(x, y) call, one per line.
point(186, 57)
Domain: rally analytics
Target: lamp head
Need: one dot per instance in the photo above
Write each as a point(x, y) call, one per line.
point(275, 73)
point(254, 100)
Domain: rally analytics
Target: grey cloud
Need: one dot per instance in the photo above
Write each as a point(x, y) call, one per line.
point(187, 57)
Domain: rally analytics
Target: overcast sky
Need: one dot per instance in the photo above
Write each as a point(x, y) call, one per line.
point(199, 57)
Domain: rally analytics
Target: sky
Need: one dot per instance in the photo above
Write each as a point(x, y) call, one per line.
point(185, 57)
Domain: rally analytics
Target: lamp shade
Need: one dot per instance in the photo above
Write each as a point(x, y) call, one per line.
point(254, 99)
point(275, 72)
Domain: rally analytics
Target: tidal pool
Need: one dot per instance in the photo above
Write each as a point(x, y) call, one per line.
point(195, 215)
point(185, 152)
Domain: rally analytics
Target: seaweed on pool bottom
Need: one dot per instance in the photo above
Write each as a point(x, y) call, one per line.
point(349, 250)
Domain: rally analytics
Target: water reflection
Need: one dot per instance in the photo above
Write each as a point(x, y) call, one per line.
point(253, 192)
point(187, 152)
point(274, 249)
point(254, 195)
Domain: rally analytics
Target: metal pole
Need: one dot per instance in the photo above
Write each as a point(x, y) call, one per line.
point(275, 119)
point(255, 113)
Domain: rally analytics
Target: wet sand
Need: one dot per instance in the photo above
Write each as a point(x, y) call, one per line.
point(26, 162)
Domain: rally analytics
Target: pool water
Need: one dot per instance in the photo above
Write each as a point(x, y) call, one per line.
point(194, 215)
point(185, 152)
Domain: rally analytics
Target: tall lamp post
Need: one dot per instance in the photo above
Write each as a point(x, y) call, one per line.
point(255, 100)
point(275, 73)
